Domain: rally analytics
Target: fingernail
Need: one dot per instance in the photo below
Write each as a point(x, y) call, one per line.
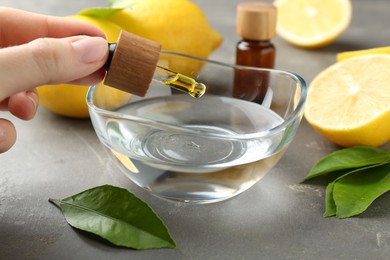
point(33, 96)
point(90, 49)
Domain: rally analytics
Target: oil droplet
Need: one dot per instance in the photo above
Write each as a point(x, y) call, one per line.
point(186, 84)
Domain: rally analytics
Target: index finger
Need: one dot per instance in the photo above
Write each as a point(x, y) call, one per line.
point(19, 27)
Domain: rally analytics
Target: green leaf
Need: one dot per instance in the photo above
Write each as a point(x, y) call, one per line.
point(330, 205)
point(117, 215)
point(354, 193)
point(348, 158)
point(100, 12)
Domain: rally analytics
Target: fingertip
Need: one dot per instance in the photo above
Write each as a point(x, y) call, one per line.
point(91, 49)
point(24, 105)
point(7, 135)
point(32, 94)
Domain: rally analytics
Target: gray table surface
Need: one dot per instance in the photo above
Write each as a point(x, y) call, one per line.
point(276, 219)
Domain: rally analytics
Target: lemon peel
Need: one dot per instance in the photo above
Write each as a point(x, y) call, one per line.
point(178, 25)
point(349, 54)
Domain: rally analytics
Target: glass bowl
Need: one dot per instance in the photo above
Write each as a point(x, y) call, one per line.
point(200, 150)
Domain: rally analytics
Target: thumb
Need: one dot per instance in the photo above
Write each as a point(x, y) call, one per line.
point(49, 61)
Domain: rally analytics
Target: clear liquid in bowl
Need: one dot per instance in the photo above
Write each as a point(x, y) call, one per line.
point(205, 162)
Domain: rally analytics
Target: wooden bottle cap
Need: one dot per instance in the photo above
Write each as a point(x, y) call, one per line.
point(132, 65)
point(256, 20)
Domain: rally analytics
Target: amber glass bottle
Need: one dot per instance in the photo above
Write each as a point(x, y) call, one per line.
point(256, 23)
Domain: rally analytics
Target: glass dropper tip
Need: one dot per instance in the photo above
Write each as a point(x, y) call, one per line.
point(198, 90)
point(184, 84)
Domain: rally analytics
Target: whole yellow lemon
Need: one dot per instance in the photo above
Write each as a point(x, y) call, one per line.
point(178, 25)
point(66, 99)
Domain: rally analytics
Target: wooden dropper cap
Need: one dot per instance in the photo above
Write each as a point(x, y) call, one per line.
point(131, 63)
point(256, 20)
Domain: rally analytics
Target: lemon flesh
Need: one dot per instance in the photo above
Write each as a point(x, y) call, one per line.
point(312, 23)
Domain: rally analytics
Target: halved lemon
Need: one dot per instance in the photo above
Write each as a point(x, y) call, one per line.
point(349, 102)
point(312, 23)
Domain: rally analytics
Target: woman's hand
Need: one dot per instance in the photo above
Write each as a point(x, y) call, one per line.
point(36, 50)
